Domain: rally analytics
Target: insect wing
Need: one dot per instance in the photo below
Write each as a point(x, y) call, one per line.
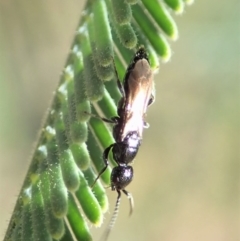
point(140, 88)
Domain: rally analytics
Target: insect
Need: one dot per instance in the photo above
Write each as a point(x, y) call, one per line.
point(137, 94)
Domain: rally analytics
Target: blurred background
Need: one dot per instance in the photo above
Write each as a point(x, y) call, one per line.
point(186, 184)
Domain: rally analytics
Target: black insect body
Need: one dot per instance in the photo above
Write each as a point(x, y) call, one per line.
point(137, 94)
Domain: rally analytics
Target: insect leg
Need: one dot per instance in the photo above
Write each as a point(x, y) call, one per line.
point(129, 195)
point(151, 100)
point(120, 86)
point(105, 156)
point(145, 124)
point(112, 120)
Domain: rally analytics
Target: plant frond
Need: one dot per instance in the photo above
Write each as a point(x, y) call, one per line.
point(56, 197)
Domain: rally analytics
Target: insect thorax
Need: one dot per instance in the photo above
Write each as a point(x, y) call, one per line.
point(125, 151)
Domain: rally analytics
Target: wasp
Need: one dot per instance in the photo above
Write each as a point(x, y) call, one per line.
point(137, 92)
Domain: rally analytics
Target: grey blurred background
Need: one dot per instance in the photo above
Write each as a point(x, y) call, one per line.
point(186, 184)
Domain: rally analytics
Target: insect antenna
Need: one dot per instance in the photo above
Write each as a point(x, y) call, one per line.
point(129, 196)
point(115, 213)
point(113, 219)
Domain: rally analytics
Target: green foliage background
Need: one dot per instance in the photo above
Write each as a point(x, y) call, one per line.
point(186, 184)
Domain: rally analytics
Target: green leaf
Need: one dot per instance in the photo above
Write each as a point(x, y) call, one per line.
point(57, 196)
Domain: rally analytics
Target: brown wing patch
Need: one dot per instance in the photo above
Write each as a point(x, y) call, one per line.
point(140, 84)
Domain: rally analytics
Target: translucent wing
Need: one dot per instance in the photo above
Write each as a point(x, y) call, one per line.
point(139, 88)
